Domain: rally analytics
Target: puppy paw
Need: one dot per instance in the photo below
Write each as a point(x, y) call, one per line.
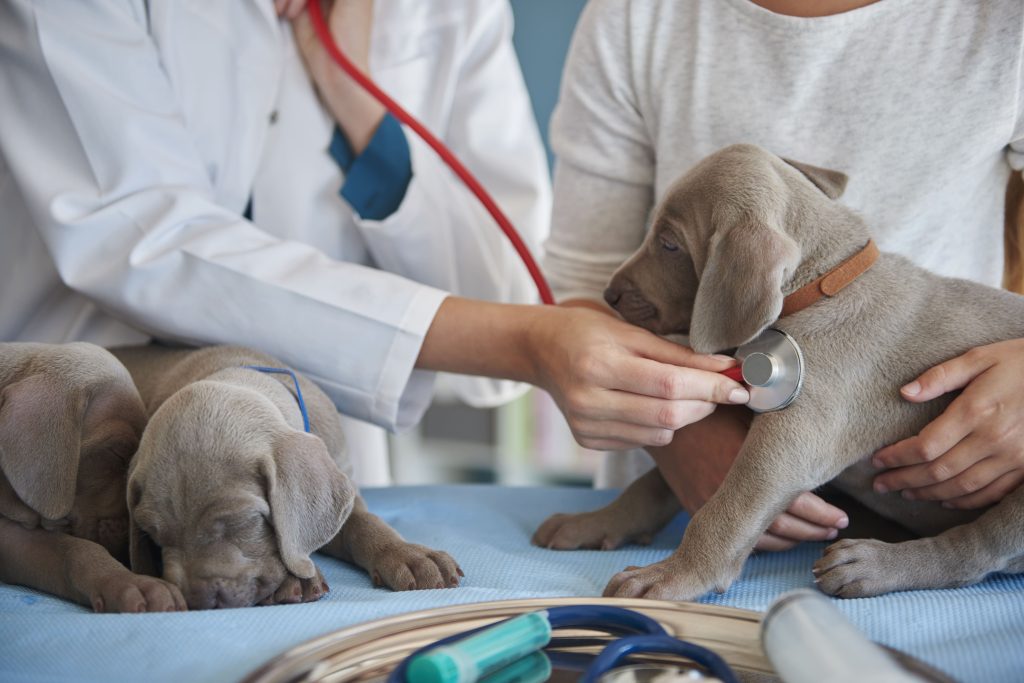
point(128, 592)
point(295, 590)
point(415, 567)
point(669, 579)
point(590, 530)
point(858, 568)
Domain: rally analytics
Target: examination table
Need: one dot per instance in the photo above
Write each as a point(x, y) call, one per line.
point(973, 634)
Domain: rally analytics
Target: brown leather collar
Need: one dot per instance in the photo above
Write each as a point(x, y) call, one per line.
point(831, 282)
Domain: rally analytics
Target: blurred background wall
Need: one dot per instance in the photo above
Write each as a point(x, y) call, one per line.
point(527, 441)
point(543, 30)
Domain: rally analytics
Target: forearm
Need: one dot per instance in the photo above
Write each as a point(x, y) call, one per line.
point(592, 304)
point(481, 338)
point(356, 112)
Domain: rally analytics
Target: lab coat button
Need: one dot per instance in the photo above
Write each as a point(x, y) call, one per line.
point(273, 117)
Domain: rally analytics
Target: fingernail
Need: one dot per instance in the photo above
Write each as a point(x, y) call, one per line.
point(907, 495)
point(877, 463)
point(881, 488)
point(912, 389)
point(843, 522)
point(738, 396)
point(832, 534)
point(727, 359)
point(949, 506)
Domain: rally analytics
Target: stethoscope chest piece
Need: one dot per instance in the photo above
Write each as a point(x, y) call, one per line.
point(773, 369)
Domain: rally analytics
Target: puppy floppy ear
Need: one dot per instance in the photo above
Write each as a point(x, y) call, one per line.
point(144, 554)
point(310, 498)
point(740, 290)
point(40, 439)
point(832, 183)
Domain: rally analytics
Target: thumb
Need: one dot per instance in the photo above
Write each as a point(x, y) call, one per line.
point(949, 376)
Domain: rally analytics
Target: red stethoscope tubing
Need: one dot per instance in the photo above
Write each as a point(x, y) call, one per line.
point(735, 373)
point(323, 33)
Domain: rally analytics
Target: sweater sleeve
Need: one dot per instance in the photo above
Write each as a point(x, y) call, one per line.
point(604, 175)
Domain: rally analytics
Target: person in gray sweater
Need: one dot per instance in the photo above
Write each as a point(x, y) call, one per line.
point(918, 103)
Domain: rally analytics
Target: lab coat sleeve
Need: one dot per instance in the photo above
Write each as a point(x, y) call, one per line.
point(441, 235)
point(604, 172)
point(91, 130)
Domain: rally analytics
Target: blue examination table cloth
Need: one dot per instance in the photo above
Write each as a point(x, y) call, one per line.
point(974, 633)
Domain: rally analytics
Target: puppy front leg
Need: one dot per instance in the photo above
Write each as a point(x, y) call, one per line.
point(80, 571)
point(368, 542)
point(295, 590)
point(766, 476)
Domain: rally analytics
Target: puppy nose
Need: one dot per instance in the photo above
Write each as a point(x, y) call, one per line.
point(612, 295)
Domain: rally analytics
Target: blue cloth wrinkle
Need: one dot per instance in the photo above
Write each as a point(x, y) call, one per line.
point(376, 180)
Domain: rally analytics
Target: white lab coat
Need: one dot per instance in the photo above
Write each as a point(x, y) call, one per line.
point(133, 133)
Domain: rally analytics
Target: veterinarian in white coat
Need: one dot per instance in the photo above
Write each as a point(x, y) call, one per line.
point(167, 169)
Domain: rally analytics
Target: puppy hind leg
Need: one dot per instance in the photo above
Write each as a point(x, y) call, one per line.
point(963, 555)
point(642, 510)
point(368, 542)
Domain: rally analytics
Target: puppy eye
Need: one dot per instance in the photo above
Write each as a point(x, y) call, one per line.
point(668, 245)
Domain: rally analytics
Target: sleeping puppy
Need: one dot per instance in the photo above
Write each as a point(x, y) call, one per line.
point(228, 495)
point(70, 421)
point(731, 239)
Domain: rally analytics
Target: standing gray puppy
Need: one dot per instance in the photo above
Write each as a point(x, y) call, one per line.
point(228, 495)
point(70, 421)
point(733, 237)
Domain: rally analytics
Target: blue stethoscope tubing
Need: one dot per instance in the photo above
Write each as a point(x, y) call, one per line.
point(640, 634)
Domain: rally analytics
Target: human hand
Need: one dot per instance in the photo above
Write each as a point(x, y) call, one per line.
point(621, 386)
point(351, 25)
point(973, 454)
point(695, 464)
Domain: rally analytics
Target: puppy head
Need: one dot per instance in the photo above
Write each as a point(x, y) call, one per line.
point(724, 242)
point(229, 498)
point(70, 421)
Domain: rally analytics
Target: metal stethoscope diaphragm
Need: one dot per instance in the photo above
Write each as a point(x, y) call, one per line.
point(773, 369)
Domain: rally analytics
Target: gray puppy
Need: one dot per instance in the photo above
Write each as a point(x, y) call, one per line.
point(70, 421)
point(228, 495)
point(732, 238)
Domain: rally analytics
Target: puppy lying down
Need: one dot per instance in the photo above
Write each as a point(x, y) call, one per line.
point(228, 495)
point(733, 238)
point(70, 421)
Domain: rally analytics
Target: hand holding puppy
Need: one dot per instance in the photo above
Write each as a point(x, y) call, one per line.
point(973, 454)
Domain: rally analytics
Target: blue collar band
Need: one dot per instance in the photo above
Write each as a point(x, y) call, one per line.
point(298, 391)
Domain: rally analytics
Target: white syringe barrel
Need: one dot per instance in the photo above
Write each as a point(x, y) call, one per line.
point(808, 640)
